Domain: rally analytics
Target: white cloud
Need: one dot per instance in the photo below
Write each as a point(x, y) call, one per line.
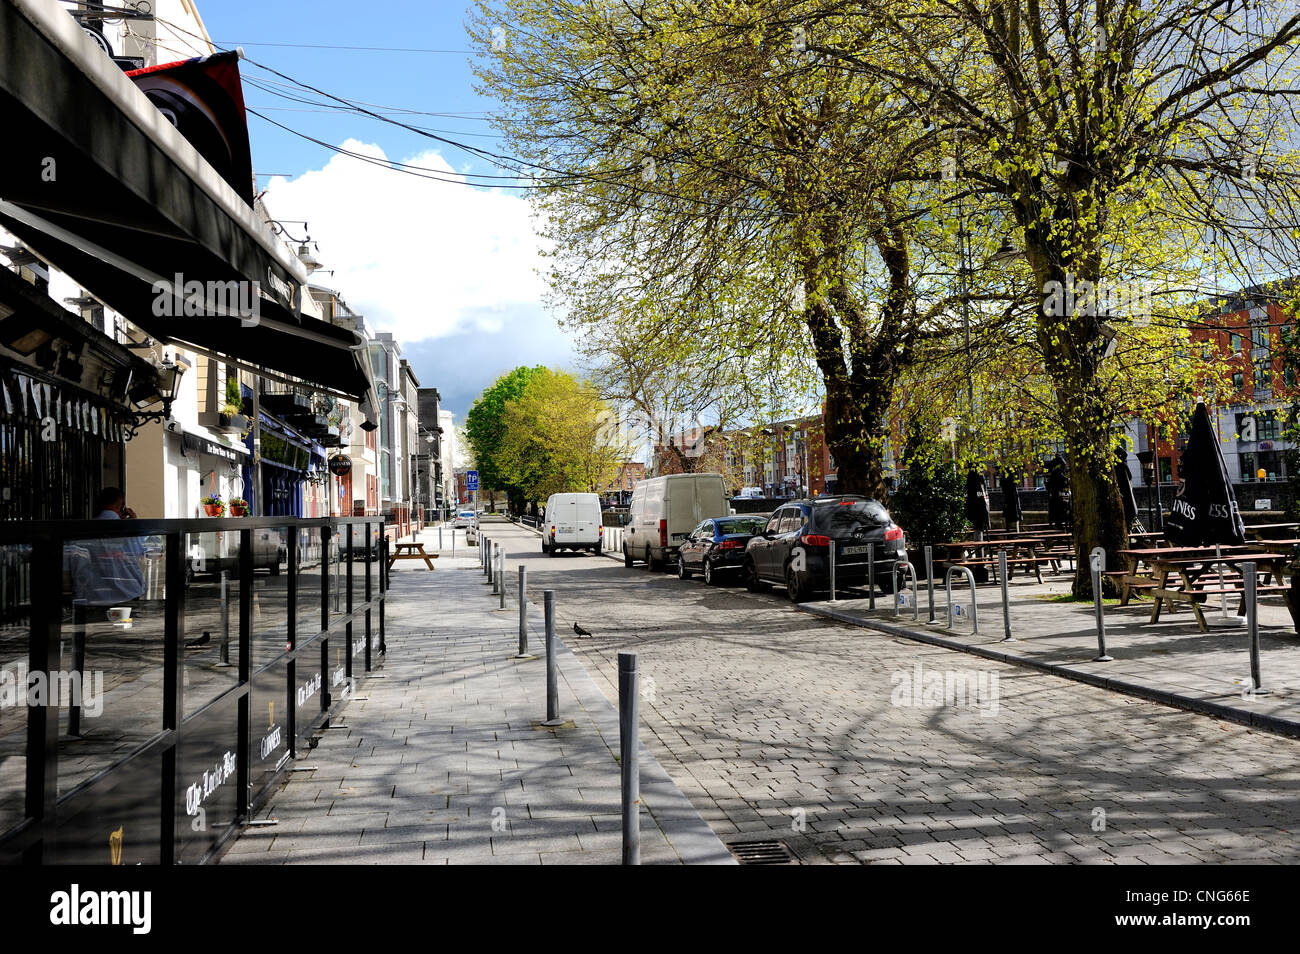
point(419, 258)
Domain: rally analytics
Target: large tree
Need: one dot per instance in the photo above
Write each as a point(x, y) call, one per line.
point(485, 425)
point(719, 191)
point(1122, 139)
point(554, 439)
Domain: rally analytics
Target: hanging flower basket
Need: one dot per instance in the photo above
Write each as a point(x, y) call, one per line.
point(238, 506)
point(214, 506)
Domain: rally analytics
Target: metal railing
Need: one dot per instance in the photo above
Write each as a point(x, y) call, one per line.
point(193, 659)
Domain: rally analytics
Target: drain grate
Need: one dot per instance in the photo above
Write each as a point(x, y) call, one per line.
point(761, 853)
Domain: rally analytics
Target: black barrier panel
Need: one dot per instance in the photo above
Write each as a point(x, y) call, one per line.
point(268, 736)
point(114, 820)
point(310, 573)
point(336, 563)
point(207, 783)
point(308, 690)
point(107, 685)
point(194, 700)
point(211, 633)
point(15, 624)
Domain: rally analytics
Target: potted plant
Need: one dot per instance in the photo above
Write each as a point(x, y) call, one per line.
point(231, 414)
point(238, 506)
point(214, 506)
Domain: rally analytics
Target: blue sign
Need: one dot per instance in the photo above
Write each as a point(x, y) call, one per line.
point(471, 480)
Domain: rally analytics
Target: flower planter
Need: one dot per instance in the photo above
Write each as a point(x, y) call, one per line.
point(238, 510)
point(212, 510)
point(232, 423)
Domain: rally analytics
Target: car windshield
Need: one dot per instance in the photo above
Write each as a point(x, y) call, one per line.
point(742, 525)
point(851, 516)
point(467, 513)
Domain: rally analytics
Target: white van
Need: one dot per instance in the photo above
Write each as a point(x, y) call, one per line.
point(665, 510)
point(573, 522)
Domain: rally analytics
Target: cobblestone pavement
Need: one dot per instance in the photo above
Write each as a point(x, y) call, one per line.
point(440, 759)
point(781, 726)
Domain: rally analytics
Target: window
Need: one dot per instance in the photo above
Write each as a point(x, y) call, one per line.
point(1238, 381)
point(1259, 336)
point(1166, 470)
point(1234, 343)
point(1263, 377)
point(1270, 428)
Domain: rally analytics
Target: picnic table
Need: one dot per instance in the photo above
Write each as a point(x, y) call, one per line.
point(1190, 565)
point(1023, 552)
point(1266, 531)
point(411, 551)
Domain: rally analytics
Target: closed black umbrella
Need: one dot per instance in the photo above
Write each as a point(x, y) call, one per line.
point(1124, 479)
point(1205, 509)
point(977, 502)
point(1012, 513)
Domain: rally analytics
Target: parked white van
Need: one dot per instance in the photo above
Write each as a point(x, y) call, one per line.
point(665, 510)
point(573, 522)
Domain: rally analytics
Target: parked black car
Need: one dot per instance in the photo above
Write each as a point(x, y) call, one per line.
point(794, 547)
point(716, 547)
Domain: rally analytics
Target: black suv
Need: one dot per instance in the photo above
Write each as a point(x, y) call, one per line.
point(794, 547)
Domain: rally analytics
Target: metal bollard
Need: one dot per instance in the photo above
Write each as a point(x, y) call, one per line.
point(494, 558)
point(916, 600)
point(501, 575)
point(974, 609)
point(225, 618)
point(552, 682)
point(871, 576)
point(1097, 562)
point(440, 536)
point(1006, 595)
point(628, 764)
point(929, 577)
point(832, 548)
point(523, 612)
point(1252, 627)
point(79, 608)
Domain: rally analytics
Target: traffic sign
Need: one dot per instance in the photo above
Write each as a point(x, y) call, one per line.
point(471, 480)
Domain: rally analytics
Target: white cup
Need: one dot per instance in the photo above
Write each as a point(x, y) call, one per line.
point(120, 614)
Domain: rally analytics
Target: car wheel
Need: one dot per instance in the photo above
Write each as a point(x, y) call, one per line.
point(752, 581)
point(627, 557)
point(794, 589)
point(710, 578)
point(651, 562)
point(597, 551)
point(682, 572)
point(545, 549)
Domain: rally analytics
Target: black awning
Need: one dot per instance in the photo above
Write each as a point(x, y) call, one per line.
point(94, 178)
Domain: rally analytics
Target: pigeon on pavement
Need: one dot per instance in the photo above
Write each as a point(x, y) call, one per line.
point(205, 638)
point(580, 631)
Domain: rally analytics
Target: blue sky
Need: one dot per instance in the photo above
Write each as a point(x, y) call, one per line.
point(446, 267)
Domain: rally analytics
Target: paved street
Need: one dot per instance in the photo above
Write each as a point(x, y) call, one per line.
point(782, 726)
point(441, 759)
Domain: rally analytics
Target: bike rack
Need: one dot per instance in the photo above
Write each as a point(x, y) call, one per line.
point(974, 610)
point(911, 571)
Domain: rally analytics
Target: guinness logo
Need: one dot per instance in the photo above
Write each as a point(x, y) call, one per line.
point(115, 846)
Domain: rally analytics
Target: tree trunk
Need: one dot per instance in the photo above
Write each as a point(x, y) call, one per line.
point(851, 423)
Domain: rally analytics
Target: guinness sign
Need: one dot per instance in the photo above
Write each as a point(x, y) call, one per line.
point(340, 465)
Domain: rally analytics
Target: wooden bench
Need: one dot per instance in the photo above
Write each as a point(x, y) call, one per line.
point(411, 551)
